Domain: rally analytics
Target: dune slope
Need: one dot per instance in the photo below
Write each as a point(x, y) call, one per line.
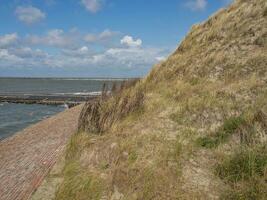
point(194, 128)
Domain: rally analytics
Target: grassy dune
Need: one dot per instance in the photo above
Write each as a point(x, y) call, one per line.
point(194, 128)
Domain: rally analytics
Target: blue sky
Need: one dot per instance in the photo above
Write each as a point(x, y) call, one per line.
point(94, 38)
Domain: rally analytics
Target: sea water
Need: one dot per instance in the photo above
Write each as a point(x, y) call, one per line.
point(15, 117)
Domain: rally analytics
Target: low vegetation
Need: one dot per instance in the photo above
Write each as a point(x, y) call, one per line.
point(78, 182)
point(245, 171)
point(99, 116)
point(194, 128)
point(228, 128)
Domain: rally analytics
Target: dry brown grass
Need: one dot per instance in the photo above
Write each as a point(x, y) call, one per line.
point(224, 45)
point(145, 141)
point(99, 116)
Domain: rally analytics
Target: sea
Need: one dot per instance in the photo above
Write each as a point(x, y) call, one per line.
point(16, 117)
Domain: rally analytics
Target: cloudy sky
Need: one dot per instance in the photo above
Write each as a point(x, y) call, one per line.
point(93, 38)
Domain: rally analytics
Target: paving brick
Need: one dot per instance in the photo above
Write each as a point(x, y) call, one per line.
point(27, 157)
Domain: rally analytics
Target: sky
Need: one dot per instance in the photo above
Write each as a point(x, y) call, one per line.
point(94, 38)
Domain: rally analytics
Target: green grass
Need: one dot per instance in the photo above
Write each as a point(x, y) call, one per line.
point(245, 172)
point(76, 144)
point(177, 151)
point(104, 165)
point(224, 132)
point(149, 184)
point(265, 12)
point(79, 184)
point(212, 141)
point(243, 165)
point(252, 190)
point(133, 157)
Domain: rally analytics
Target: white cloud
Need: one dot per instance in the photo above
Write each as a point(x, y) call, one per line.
point(4, 53)
point(29, 14)
point(78, 52)
point(54, 38)
point(161, 58)
point(8, 39)
point(71, 39)
point(129, 57)
point(130, 42)
point(113, 57)
point(6, 57)
point(83, 49)
point(91, 37)
point(27, 52)
point(105, 35)
point(70, 53)
point(197, 5)
point(127, 61)
point(92, 6)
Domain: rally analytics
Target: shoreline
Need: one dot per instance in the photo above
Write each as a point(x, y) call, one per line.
point(28, 155)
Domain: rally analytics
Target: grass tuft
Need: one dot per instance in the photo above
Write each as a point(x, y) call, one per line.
point(224, 132)
point(79, 184)
point(265, 12)
point(245, 172)
point(254, 189)
point(133, 157)
point(98, 117)
point(243, 165)
point(76, 144)
point(231, 124)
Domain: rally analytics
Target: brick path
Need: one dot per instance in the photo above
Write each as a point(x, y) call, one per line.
point(26, 157)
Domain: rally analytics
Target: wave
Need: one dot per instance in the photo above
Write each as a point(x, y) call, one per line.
point(94, 93)
point(88, 93)
point(79, 93)
point(89, 79)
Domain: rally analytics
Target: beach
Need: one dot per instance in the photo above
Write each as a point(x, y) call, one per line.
point(27, 157)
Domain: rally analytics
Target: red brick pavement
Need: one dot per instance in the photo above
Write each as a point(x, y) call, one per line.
point(26, 158)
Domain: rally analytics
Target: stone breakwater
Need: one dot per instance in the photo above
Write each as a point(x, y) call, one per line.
point(70, 100)
point(27, 157)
